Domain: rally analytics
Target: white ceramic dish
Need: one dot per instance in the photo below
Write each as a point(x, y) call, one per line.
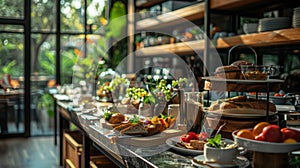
point(171, 143)
point(240, 162)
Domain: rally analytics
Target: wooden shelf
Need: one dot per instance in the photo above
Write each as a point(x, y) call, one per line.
point(192, 12)
point(276, 37)
point(177, 48)
point(148, 3)
point(172, 18)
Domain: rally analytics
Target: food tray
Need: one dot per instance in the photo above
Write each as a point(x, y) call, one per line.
point(236, 85)
point(266, 147)
point(148, 141)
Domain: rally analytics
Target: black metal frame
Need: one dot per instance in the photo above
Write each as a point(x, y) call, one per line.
point(26, 23)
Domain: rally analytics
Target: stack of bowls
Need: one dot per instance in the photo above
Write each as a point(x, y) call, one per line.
point(296, 17)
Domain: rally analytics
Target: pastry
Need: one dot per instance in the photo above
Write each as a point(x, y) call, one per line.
point(241, 103)
point(228, 72)
point(116, 118)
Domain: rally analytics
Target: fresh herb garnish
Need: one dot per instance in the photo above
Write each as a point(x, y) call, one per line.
point(215, 141)
point(135, 119)
point(107, 115)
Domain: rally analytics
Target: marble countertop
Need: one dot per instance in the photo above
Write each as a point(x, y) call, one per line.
point(136, 156)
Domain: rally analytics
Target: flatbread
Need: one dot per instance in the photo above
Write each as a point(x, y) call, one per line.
point(136, 129)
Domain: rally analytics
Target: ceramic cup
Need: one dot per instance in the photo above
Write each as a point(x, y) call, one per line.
point(220, 155)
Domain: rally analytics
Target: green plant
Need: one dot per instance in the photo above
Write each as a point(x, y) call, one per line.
point(46, 102)
point(140, 95)
point(167, 92)
point(115, 83)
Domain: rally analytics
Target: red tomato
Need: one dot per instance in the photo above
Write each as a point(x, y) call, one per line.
point(192, 134)
point(182, 138)
point(290, 133)
point(279, 94)
point(272, 133)
point(188, 138)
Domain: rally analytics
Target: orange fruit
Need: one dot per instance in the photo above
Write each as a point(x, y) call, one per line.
point(259, 127)
point(245, 133)
point(290, 141)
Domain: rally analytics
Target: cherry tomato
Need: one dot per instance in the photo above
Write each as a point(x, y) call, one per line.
point(190, 137)
point(192, 133)
point(279, 94)
point(183, 138)
point(203, 136)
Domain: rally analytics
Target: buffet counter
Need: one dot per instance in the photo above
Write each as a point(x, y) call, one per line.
point(128, 152)
point(121, 155)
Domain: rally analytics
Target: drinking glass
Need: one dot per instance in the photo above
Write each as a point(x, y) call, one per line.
point(192, 111)
point(174, 110)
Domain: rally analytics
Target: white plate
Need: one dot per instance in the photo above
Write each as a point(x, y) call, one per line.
point(266, 147)
point(171, 143)
point(212, 78)
point(240, 161)
point(246, 113)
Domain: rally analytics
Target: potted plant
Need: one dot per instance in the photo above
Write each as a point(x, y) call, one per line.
point(46, 104)
point(221, 151)
point(138, 98)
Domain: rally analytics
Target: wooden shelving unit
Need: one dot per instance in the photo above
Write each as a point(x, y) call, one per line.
point(172, 18)
point(177, 48)
point(192, 12)
point(277, 37)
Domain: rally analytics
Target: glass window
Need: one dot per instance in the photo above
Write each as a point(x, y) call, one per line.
point(11, 28)
point(72, 48)
point(43, 14)
point(11, 76)
point(95, 15)
point(72, 16)
point(12, 54)
point(12, 9)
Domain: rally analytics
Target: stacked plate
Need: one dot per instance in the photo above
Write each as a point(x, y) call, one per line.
point(250, 28)
point(296, 17)
point(268, 24)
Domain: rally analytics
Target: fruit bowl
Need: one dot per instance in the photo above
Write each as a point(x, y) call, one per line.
point(266, 147)
point(281, 100)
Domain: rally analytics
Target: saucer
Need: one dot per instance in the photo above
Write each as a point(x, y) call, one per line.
point(240, 161)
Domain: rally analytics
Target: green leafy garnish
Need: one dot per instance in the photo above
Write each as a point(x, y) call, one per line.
point(135, 119)
point(107, 115)
point(215, 141)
